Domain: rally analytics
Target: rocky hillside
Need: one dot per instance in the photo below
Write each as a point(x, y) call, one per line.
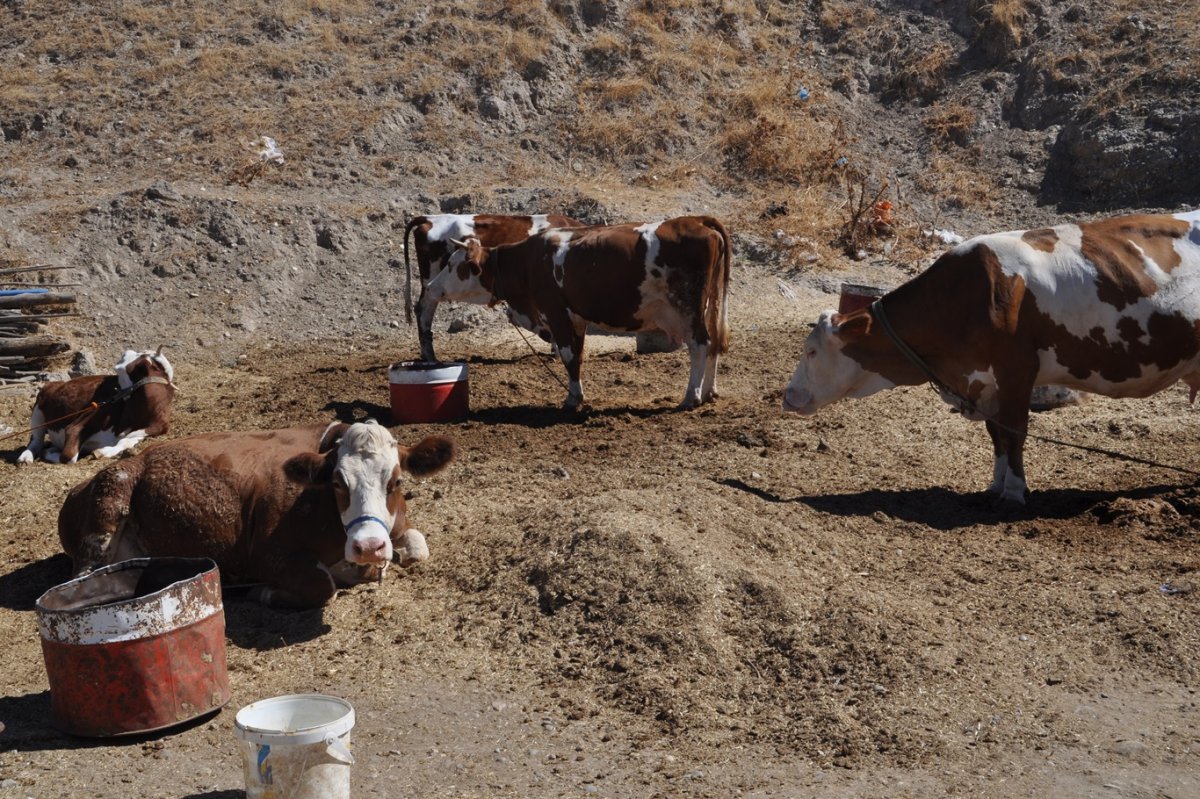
point(130, 136)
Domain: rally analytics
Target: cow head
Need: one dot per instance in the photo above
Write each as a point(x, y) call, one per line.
point(135, 366)
point(362, 463)
point(826, 373)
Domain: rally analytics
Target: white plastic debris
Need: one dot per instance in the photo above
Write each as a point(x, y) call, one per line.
point(945, 236)
point(786, 290)
point(268, 151)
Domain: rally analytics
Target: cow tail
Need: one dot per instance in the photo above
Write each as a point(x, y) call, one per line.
point(717, 290)
point(408, 304)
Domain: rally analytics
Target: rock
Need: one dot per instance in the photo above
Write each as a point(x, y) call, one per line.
point(84, 363)
point(649, 341)
point(1047, 398)
point(1134, 750)
point(161, 191)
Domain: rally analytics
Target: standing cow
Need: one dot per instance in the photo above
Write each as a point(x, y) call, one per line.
point(102, 415)
point(670, 276)
point(1111, 307)
point(299, 509)
point(432, 235)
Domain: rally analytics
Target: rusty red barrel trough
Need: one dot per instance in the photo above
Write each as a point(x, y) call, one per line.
point(857, 295)
point(135, 647)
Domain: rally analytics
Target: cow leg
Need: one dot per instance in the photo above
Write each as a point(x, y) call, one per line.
point(129, 441)
point(698, 353)
point(296, 581)
point(426, 306)
point(708, 390)
point(1008, 469)
point(37, 437)
point(572, 358)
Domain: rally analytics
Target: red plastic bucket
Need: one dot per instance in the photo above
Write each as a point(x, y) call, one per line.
point(857, 295)
point(135, 647)
point(423, 391)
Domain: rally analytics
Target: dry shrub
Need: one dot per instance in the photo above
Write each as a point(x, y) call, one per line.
point(777, 146)
point(1001, 28)
point(949, 124)
point(955, 183)
point(622, 92)
point(921, 75)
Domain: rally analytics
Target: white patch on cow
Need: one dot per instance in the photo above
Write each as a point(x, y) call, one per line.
point(1064, 284)
point(122, 368)
point(413, 548)
point(825, 374)
point(447, 285)
point(986, 405)
point(105, 444)
point(123, 379)
point(1007, 484)
point(443, 227)
point(655, 309)
point(37, 436)
point(538, 223)
point(367, 458)
point(562, 246)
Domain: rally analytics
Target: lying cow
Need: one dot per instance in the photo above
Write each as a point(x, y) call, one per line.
point(670, 276)
point(102, 415)
point(289, 508)
point(1111, 307)
point(432, 235)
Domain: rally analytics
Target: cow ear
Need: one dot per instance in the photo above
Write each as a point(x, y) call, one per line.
point(310, 468)
point(332, 435)
point(428, 456)
point(852, 325)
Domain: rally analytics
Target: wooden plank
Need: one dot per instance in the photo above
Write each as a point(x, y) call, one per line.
point(33, 346)
point(30, 300)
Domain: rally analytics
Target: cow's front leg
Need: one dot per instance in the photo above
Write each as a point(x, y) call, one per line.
point(297, 581)
point(572, 358)
point(698, 354)
point(37, 437)
point(1008, 469)
point(128, 441)
point(708, 390)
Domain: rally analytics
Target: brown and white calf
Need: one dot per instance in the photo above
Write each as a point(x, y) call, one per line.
point(670, 276)
point(1111, 307)
point(432, 236)
point(290, 508)
point(102, 414)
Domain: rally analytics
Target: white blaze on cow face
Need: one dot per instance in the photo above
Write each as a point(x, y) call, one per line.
point(826, 374)
point(122, 368)
point(562, 241)
point(366, 480)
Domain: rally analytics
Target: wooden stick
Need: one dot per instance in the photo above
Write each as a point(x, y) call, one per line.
point(18, 284)
point(20, 269)
point(28, 300)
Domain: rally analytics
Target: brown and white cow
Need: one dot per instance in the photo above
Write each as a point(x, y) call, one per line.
point(102, 415)
point(671, 276)
point(432, 236)
point(1111, 307)
point(290, 508)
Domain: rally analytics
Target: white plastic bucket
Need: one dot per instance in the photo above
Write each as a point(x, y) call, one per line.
point(296, 747)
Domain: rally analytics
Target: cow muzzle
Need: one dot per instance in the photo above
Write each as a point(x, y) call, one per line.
point(368, 544)
point(798, 401)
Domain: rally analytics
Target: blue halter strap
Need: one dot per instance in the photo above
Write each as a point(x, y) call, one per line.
point(387, 528)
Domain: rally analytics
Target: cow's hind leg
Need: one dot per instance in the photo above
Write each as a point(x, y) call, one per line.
point(708, 391)
point(698, 354)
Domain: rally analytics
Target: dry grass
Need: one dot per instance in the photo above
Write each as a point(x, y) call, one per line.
point(949, 124)
point(921, 74)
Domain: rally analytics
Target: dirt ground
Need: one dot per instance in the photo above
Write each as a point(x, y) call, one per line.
point(641, 602)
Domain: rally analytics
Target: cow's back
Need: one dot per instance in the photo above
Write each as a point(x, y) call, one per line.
point(62, 397)
point(1109, 306)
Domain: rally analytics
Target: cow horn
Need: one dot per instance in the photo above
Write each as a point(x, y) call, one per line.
point(457, 243)
point(158, 352)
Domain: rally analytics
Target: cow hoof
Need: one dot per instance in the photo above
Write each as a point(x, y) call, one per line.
point(25, 458)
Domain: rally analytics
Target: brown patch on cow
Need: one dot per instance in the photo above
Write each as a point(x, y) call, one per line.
point(1043, 239)
point(1118, 247)
point(1169, 339)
